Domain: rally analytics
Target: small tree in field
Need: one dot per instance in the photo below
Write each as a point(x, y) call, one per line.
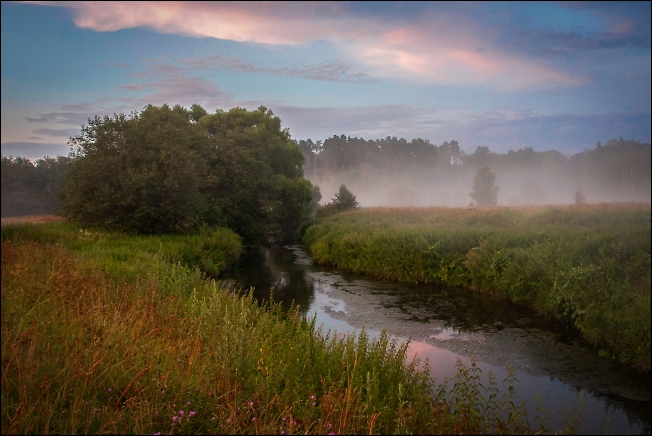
point(345, 200)
point(485, 191)
point(579, 198)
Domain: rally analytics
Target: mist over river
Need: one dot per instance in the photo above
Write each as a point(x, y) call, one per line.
point(445, 324)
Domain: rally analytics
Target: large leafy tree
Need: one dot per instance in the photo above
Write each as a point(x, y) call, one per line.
point(256, 174)
point(485, 191)
point(171, 169)
point(140, 173)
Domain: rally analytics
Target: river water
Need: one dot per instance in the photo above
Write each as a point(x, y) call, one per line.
point(445, 324)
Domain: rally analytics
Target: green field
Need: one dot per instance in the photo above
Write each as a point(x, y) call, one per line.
point(588, 265)
point(109, 333)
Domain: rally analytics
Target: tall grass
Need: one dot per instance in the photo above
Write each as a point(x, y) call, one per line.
point(111, 338)
point(587, 265)
point(211, 250)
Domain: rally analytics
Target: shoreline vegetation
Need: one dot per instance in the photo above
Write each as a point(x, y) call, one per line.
point(103, 334)
point(586, 265)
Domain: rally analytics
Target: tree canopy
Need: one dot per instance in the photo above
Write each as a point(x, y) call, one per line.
point(345, 200)
point(485, 191)
point(169, 170)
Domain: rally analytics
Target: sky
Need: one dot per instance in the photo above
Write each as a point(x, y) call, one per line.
point(508, 75)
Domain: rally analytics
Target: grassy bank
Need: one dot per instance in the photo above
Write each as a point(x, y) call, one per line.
point(588, 265)
point(103, 333)
point(211, 250)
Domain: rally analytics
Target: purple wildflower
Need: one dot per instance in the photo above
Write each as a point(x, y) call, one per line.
point(253, 419)
point(192, 413)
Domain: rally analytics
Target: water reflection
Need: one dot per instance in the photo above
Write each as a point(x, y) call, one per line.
point(449, 323)
point(273, 274)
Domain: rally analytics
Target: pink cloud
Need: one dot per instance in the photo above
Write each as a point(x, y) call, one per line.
point(622, 25)
point(441, 47)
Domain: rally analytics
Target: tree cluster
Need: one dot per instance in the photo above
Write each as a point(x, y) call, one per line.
point(170, 170)
point(29, 188)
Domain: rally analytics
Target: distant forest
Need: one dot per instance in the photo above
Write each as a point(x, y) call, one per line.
point(395, 172)
point(29, 188)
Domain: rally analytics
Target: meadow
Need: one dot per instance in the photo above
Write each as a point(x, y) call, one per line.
point(110, 333)
point(588, 266)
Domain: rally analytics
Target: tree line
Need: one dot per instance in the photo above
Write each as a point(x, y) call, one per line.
point(172, 169)
point(28, 188)
point(619, 169)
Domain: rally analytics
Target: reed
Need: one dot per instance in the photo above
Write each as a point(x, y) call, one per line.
point(588, 265)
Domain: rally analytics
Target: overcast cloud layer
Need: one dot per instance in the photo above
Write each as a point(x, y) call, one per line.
point(506, 76)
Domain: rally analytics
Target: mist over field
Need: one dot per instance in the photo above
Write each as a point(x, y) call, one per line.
point(423, 174)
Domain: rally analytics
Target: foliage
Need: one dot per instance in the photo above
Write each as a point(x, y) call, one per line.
point(579, 198)
point(589, 266)
point(90, 350)
point(255, 173)
point(28, 188)
point(485, 191)
point(168, 170)
point(139, 173)
point(344, 201)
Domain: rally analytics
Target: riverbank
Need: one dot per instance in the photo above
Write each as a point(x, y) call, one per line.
point(589, 266)
point(102, 337)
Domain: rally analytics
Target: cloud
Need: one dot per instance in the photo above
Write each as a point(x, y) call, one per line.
point(325, 71)
point(33, 150)
point(56, 132)
point(539, 42)
point(439, 46)
point(172, 84)
point(72, 114)
point(501, 130)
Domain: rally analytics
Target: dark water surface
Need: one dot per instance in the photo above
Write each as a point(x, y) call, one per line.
point(445, 324)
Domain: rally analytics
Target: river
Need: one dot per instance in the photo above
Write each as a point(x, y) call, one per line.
point(445, 324)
